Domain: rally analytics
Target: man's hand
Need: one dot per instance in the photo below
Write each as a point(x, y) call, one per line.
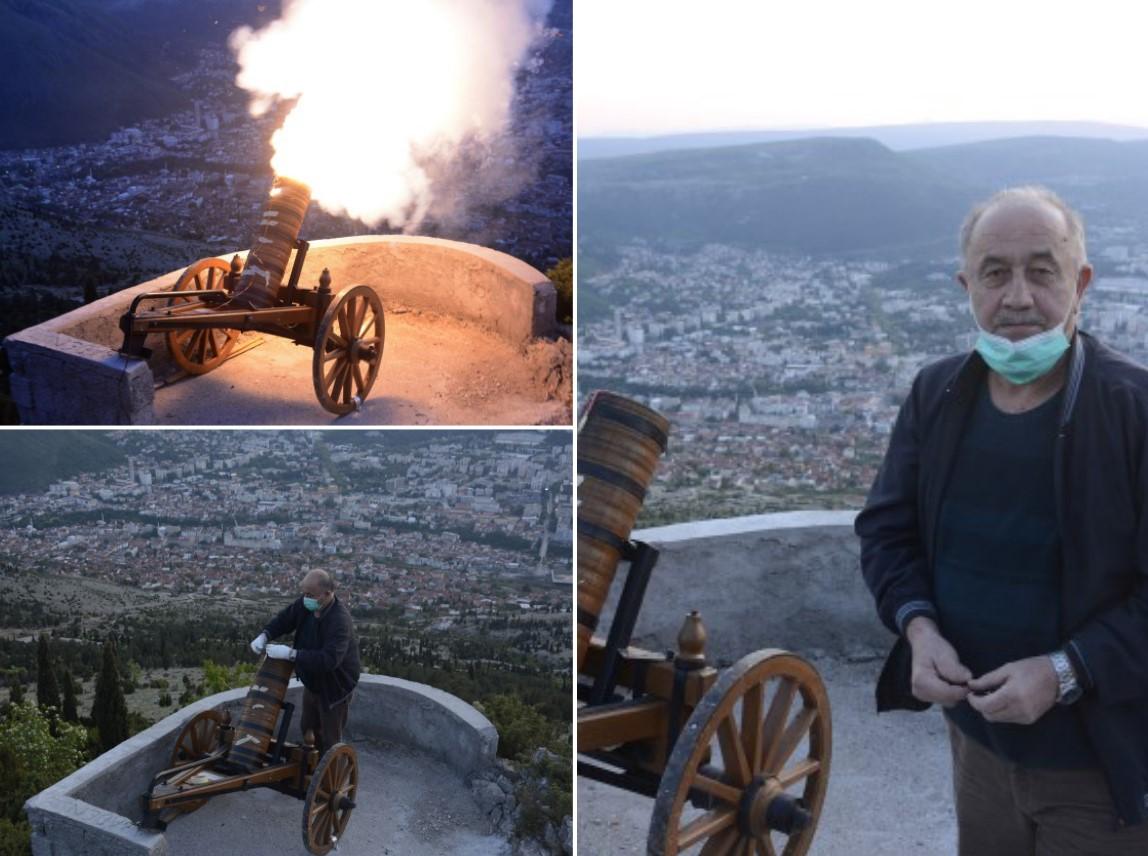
point(938, 675)
point(259, 643)
point(279, 652)
point(1022, 691)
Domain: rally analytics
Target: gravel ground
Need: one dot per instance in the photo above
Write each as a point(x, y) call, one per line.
point(889, 784)
point(409, 805)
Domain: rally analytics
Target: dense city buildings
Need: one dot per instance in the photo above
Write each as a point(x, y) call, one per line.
point(782, 374)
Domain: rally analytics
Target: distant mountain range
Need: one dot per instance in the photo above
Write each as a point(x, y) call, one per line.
point(34, 459)
point(896, 137)
point(842, 195)
point(73, 70)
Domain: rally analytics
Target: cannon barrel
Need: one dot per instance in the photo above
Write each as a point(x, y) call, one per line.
point(619, 444)
point(271, 248)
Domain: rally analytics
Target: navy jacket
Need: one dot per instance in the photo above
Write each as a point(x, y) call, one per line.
point(1100, 475)
point(327, 652)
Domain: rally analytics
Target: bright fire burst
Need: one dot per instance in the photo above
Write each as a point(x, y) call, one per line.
point(379, 83)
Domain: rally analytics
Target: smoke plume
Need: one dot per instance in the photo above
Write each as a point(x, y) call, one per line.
point(381, 89)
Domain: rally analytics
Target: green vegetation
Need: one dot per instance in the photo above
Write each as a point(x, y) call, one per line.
point(36, 750)
point(47, 689)
point(562, 275)
point(109, 712)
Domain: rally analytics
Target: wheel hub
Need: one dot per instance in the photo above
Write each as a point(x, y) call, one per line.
point(766, 807)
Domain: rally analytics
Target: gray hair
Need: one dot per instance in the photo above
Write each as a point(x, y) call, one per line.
point(1027, 193)
point(325, 579)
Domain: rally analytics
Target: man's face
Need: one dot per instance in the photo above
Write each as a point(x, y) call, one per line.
point(1021, 273)
point(311, 587)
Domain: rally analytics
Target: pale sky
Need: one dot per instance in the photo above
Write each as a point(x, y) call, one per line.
point(662, 66)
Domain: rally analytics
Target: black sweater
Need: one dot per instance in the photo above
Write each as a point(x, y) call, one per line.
point(1100, 479)
point(327, 652)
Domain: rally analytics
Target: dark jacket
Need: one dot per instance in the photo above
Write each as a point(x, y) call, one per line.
point(327, 652)
point(1100, 475)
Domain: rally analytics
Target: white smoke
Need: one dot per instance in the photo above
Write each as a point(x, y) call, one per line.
point(378, 86)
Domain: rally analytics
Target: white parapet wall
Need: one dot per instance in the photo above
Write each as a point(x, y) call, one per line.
point(95, 811)
point(790, 580)
point(67, 371)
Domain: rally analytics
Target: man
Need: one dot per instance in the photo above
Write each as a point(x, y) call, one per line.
point(325, 653)
point(1005, 541)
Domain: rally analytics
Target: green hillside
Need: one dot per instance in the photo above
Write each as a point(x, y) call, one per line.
point(813, 196)
point(841, 196)
point(33, 459)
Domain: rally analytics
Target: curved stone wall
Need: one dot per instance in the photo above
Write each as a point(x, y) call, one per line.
point(68, 370)
point(789, 580)
point(94, 811)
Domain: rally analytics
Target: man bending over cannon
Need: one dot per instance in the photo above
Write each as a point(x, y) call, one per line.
point(1005, 540)
point(325, 653)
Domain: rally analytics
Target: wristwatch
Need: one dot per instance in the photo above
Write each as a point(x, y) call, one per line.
point(1068, 688)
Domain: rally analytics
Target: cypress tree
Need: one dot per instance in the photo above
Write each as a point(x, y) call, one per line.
point(70, 713)
point(47, 689)
point(109, 712)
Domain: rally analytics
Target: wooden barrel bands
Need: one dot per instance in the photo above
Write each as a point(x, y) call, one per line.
point(256, 726)
point(274, 240)
point(619, 444)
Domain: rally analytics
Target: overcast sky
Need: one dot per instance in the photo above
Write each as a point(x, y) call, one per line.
point(662, 66)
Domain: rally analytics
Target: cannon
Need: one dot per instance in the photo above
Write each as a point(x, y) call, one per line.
point(212, 756)
point(737, 759)
point(213, 301)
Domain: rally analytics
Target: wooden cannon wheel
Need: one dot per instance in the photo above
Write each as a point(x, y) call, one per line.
point(200, 351)
point(198, 739)
point(330, 798)
point(348, 349)
point(735, 782)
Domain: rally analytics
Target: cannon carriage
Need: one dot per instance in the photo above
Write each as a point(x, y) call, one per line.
point(213, 756)
point(736, 759)
point(214, 301)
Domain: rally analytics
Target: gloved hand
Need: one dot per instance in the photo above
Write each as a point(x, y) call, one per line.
point(259, 643)
point(279, 652)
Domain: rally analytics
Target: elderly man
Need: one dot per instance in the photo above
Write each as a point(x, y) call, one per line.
point(1005, 541)
point(325, 653)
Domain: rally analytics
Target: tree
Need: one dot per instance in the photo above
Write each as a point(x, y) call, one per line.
point(16, 693)
point(70, 712)
point(47, 689)
point(35, 752)
point(109, 712)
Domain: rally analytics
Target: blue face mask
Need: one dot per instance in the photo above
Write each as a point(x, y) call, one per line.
point(1024, 361)
point(310, 603)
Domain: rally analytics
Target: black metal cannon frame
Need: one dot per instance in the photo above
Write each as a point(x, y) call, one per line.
point(714, 748)
point(345, 329)
point(327, 784)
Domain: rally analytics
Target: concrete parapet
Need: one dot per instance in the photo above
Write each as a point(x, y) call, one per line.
point(790, 580)
point(67, 371)
point(95, 810)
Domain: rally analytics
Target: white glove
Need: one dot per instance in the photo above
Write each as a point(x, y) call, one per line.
point(279, 652)
point(259, 643)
